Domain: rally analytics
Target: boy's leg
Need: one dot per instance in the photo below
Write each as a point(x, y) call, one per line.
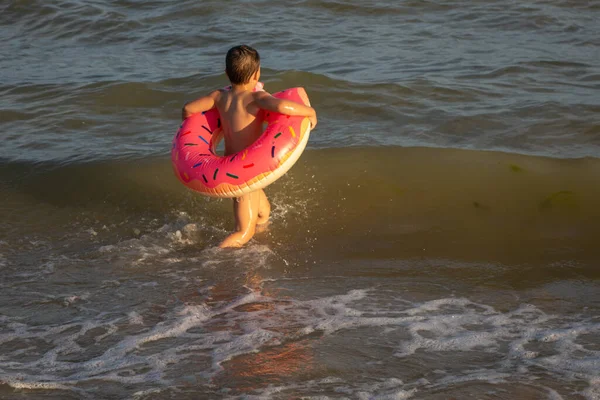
point(245, 210)
point(264, 208)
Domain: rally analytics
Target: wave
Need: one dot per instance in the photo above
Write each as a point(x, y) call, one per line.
point(365, 202)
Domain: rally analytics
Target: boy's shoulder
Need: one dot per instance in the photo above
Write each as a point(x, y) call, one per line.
point(215, 94)
point(259, 94)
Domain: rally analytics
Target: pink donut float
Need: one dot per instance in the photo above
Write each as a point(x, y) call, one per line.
point(197, 165)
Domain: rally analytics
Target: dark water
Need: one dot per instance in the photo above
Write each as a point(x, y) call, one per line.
point(438, 239)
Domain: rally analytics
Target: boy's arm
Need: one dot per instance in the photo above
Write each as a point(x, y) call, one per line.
point(267, 102)
point(200, 105)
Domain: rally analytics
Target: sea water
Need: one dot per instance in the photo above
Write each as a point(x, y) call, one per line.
point(438, 239)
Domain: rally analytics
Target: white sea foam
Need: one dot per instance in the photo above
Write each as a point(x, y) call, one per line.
point(385, 389)
point(162, 245)
point(381, 389)
point(135, 318)
point(221, 332)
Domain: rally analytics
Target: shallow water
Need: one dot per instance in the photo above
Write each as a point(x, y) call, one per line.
point(472, 275)
point(438, 239)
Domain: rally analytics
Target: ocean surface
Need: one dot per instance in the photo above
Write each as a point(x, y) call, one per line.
point(438, 239)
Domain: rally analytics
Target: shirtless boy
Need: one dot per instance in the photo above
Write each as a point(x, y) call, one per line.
point(241, 116)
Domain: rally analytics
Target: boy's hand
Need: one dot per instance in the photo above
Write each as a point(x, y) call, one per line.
point(313, 120)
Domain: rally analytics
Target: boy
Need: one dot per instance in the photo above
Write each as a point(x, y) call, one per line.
point(241, 116)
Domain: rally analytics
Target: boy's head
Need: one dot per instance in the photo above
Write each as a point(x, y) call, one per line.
point(241, 63)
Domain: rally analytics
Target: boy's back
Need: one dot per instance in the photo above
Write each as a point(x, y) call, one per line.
point(241, 118)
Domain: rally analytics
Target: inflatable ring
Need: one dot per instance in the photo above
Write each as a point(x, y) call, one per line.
point(197, 165)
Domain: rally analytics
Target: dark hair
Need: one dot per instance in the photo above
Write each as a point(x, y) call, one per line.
point(240, 63)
